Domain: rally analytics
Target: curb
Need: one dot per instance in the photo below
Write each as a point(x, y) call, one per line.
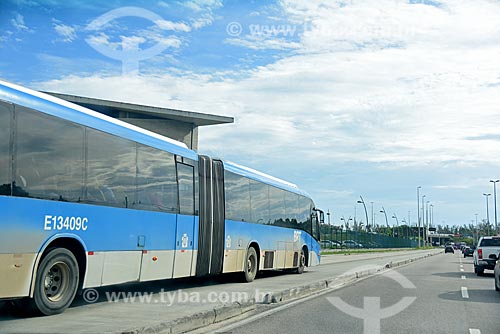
point(224, 312)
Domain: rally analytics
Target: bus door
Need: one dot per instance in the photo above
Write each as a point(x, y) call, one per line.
point(184, 240)
point(211, 238)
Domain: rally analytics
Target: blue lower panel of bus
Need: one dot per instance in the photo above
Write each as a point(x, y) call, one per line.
point(27, 224)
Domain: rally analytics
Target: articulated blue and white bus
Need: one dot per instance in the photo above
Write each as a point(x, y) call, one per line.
point(88, 201)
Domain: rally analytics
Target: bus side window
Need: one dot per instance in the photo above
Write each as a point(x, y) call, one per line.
point(156, 181)
point(5, 161)
point(185, 178)
point(111, 169)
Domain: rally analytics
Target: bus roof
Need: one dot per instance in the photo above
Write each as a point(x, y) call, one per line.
point(72, 112)
point(263, 177)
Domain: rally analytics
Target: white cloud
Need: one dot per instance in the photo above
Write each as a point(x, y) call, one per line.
point(205, 11)
point(202, 5)
point(66, 33)
point(18, 22)
point(132, 42)
point(263, 43)
point(174, 26)
point(202, 22)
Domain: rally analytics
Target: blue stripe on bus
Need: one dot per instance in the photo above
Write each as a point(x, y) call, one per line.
point(108, 229)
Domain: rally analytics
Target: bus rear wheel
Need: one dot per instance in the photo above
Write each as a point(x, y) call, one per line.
point(251, 262)
point(302, 262)
point(56, 282)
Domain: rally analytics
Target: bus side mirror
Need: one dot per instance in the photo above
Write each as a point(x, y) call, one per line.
point(321, 217)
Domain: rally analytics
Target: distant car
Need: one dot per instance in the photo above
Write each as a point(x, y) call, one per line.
point(449, 249)
point(371, 244)
point(352, 244)
point(469, 251)
point(329, 244)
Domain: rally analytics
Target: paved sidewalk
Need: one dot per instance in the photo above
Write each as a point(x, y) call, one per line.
point(177, 306)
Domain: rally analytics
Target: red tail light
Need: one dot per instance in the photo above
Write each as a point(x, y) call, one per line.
point(480, 253)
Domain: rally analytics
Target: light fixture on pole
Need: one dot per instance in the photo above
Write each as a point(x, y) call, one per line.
point(346, 222)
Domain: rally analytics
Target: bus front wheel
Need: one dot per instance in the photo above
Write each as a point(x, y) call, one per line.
point(56, 282)
point(251, 263)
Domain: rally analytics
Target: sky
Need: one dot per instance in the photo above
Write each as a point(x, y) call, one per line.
point(345, 98)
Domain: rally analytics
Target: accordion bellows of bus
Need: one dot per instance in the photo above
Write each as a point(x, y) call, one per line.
point(87, 200)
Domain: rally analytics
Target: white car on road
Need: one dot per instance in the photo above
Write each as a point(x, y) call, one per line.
point(486, 247)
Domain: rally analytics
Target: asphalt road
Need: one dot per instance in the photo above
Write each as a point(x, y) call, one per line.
point(430, 296)
point(184, 299)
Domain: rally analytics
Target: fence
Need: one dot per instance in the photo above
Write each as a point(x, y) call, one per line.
point(336, 238)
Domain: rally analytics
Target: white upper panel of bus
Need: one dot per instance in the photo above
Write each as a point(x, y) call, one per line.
point(263, 177)
point(60, 108)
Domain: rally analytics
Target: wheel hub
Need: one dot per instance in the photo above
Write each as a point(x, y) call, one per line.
point(55, 282)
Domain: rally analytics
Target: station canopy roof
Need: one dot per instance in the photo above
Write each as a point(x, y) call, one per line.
point(122, 109)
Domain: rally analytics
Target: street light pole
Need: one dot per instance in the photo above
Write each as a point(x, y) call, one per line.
point(409, 223)
point(329, 225)
point(418, 213)
point(431, 215)
point(424, 239)
point(487, 210)
point(495, 202)
point(385, 214)
point(373, 219)
point(397, 224)
point(477, 228)
point(427, 222)
point(366, 212)
point(403, 222)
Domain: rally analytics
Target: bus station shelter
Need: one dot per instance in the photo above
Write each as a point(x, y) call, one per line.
point(176, 124)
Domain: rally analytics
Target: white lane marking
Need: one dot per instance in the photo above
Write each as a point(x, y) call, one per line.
point(461, 269)
point(463, 277)
point(474, 331)
point(465, 293)
point(461, 266)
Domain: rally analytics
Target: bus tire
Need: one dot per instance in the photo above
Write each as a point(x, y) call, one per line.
point(302, 262)
point(56, 282)
point(251, 263)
